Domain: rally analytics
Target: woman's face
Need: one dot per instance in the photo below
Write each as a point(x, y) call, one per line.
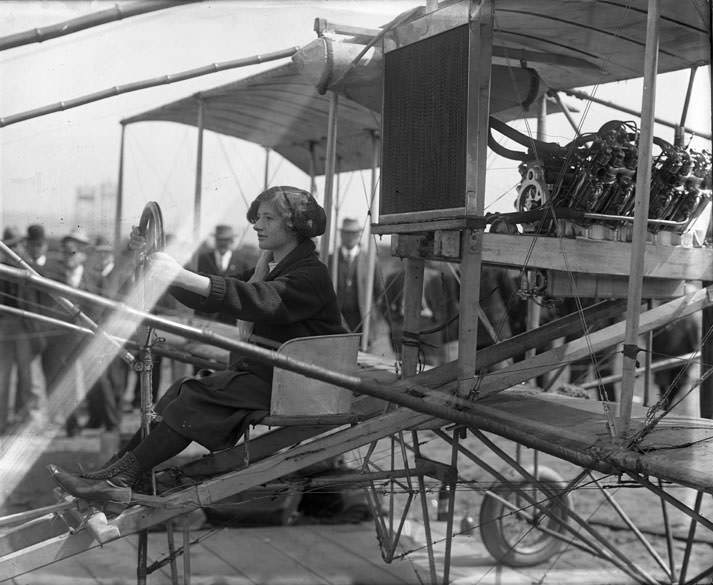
point(272, 231)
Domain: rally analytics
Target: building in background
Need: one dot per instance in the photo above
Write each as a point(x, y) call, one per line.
point(95, 208)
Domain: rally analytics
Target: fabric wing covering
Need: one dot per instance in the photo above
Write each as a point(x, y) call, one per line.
point(537, 45)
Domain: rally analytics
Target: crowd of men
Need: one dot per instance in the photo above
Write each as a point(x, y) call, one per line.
point(38, 353)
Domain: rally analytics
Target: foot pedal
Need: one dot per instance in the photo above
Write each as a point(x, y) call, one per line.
point(81, 514)
point(100, 528)
point(71, 515)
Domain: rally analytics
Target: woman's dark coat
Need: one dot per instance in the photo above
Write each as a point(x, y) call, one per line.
point(296, 299)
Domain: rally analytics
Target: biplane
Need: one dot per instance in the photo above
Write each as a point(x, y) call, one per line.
point(614, 214)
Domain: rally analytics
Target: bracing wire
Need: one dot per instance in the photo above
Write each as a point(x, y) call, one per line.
point(232, 171)
point(271, 179)
point(502, 194)
point(660, 409)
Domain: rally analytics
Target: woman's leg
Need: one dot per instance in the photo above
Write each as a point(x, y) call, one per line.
point(137, 437)
point(114, 482)
point(160, 444)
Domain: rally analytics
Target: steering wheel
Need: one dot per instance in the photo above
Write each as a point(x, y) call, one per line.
point(151, 228)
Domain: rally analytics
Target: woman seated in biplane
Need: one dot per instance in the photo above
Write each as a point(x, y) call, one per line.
point(289, 294)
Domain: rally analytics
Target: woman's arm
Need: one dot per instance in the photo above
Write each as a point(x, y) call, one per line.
point(291, 297)
point(166, 271)
point(192, 282)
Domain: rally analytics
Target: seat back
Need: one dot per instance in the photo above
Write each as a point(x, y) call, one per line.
point(297, 395)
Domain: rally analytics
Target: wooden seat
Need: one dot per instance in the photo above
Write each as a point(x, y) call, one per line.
point(299, 400)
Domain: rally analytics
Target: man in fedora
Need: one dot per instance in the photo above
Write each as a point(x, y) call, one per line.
point(221, 260)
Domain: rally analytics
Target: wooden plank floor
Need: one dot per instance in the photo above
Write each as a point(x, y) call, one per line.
point(318, 554)
point(345, 554)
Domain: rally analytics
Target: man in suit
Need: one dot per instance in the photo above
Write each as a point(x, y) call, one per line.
point(223, 261)
point(35, 300)
point(104, 399)
point(61, 356)
point(352, 276)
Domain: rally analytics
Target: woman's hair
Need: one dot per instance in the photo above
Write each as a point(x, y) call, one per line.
point(297, 207)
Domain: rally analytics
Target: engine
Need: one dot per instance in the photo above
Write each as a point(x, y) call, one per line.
point(595, 176)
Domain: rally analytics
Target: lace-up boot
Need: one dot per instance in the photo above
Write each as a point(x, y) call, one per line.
point(112, 483)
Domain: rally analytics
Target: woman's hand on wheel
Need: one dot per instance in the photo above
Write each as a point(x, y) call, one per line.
point(164, 269)
point(137, 240)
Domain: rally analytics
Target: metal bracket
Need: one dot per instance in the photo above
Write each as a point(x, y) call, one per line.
point(323, 27)
point(437, 470)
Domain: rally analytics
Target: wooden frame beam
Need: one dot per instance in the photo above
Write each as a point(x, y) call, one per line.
point(597, 256)
point(480, 48)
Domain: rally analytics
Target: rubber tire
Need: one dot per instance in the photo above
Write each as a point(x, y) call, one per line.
point(491, 528)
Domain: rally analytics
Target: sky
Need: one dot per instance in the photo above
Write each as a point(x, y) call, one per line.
point(43, 161)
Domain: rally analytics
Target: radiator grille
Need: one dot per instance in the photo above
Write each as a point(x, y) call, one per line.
point(424, 128)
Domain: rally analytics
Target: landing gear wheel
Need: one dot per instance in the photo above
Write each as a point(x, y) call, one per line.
point(513, 539)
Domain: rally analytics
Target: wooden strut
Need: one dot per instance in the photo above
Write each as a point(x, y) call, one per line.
point(480, 46)
point(329, 170)
point(631, 526)
point(198, 185)
point(145, 84)
point(684, 360)
point(641, 214)
point(178, 355)
point(119, 207)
